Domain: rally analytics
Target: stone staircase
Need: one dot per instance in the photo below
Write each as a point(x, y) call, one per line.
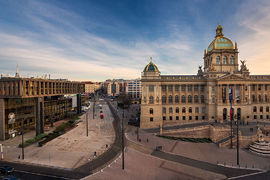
point(226, 142)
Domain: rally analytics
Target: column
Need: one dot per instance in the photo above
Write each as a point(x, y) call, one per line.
point(2, 119)
point(39, 108)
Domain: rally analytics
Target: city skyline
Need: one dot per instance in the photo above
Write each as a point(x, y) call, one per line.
point(101, 40)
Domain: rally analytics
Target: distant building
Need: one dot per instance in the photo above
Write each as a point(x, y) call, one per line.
point(91, 87)
point(133, 89)
point(113, 88)
point(32, 102)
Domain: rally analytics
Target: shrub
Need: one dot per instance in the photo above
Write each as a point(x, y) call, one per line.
point(33, 140)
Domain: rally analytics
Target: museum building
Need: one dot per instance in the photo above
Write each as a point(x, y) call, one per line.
point(176, 99)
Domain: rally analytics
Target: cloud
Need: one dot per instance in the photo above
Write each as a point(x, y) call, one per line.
point(58, 44)
point(254, 40)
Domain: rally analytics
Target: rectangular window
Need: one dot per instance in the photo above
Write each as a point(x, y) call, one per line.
point(177, 117)
point(213, 88)
point(183, 87)
point(196, 87)
point(202, 88)
point(261, 116)
point(151, 88)
point(164, 118)
point(255, 116)
point(203, 109)
point(197, 117)
point(259, 87)
point(170, 117)
point(176, 87)
point(253, 87)
point(189, 87)
point(164, 110)
point(163, 88)
point(265, 87)
point(196, 109)
point(170, 110)
point(190, 117)
point(184, 117)
point(203, 117)
point(151, 119)
point(170, 88)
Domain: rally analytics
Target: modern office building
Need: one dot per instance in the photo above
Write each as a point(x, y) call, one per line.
point(133, 89)
point(26, 102)
point(176, 99)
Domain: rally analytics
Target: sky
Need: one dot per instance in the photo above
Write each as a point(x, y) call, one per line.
point(100, 39)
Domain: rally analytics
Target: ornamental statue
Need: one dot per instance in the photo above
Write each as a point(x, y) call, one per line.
point(200, 72)
point(243, 66)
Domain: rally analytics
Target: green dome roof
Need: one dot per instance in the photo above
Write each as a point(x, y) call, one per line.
point(220, 42)
point(151, 67)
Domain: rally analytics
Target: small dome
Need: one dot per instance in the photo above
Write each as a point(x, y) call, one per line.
point(151, 67)
point(220, 42)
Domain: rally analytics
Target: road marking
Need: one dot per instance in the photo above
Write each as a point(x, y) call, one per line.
point(40, 174)
point(246, 175)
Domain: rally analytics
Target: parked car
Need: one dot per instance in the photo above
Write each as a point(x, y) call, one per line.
point(6, 169)
point(10, 178)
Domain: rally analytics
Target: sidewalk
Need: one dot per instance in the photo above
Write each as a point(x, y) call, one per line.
point(207, 152)
point(73, 148)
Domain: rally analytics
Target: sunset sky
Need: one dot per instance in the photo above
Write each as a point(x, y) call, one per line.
point(98, 40)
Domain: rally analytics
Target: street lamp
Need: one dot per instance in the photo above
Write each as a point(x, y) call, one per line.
point(86, 119)
point(231, 115)
point(123, 146)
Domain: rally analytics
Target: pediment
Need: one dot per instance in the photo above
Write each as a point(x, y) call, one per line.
point(233, 77)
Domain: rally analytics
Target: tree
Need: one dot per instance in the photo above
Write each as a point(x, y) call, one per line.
point(124, 100)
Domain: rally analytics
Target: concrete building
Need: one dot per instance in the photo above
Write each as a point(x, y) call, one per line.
point(91, 87)
point(176, 99)
point(133, 89)
point(33, 101)
point(113, 88)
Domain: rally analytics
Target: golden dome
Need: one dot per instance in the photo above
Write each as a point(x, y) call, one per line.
point(220, 42)
point(151, 67)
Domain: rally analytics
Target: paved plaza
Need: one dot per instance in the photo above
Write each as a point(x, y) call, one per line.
point(73, 148)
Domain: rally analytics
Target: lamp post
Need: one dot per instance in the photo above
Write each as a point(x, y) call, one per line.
point(86, 118)
point(123, 146)
point(22, 141)
point(231, 116)
point(238, 118)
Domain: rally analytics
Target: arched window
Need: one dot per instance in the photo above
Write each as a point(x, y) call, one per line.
point(176, 99)
point(232, 60)
point(183, 99)
point(265, 98)
point(196, 99)
point(260, 98)
point(170, 99)
point(253, 98)
point(177, 110)
point(267, 109)
point(261, 109)
point(151, 99)
point(218, 60)
point(164, 99)
point(254, 109)
point(202, 98)
point(190, 99)
point(225, 60)
point(183, 110)
point(151, 111)
point(190, 109)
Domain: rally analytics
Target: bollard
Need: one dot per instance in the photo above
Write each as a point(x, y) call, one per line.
point(95, 153)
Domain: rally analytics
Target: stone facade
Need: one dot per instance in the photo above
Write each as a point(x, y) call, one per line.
point(176, 99)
